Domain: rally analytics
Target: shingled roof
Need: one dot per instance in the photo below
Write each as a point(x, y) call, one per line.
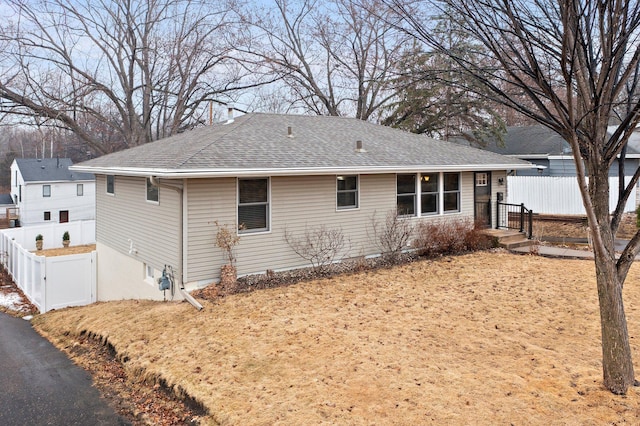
point(49, 170)
point(278, 144)
point(538, 141)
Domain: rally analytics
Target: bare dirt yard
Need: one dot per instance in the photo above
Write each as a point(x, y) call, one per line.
point(486, 338)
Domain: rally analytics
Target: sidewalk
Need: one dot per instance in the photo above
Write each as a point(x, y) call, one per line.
point(555, 251)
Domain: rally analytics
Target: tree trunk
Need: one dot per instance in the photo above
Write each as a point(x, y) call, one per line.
point(617, 362)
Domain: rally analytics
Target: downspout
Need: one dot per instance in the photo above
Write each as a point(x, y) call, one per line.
point(180, 190)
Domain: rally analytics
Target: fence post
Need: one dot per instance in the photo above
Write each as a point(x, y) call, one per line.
point(530, 223)
point(497, 214)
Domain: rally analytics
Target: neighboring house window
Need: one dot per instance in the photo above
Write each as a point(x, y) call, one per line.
point(20, 193)
point(406, 192)
point(80, 189)
point(429, 190)
point(111, 184)
point(47, 215)
point(152, 191)
point(347, 192)
point(481, 179)
point(451, 192)
point(253, 205)
point(46, 190)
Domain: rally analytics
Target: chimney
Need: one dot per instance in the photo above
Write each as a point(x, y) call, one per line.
point(359, 147)
point(230, 114)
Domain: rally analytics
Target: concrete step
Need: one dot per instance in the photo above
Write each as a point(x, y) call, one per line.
point(516, 244)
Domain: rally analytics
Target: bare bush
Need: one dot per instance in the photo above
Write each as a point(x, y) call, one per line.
point(391, 236)
point(449, 237)
point(227, 239)
point(319, 246)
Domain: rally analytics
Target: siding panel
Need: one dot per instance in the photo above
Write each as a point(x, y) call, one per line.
point(297, 203)
point(153, 228)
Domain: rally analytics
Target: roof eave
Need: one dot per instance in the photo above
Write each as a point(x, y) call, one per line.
point(229, 172)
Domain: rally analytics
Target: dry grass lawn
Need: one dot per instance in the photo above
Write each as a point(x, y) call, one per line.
point(482, 339)
point(63, 251)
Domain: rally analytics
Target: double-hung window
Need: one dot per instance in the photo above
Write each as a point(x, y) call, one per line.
point(80, 190)
point(406, 194)
point(429, 193)
point(46, 190)
point(347, 192)
point(253, 205)
point(451, 193)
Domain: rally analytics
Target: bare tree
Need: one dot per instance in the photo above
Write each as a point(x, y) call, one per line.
point(140, 69)
point(334, 57)
point(573, 60)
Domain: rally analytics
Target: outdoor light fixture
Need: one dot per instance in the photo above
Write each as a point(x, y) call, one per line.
point(500, 181)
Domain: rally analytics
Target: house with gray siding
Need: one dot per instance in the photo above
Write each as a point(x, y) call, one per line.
point(267, 175)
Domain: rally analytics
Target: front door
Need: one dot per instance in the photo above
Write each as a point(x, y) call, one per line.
point(482, 198)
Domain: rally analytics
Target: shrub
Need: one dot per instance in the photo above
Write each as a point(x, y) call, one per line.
point(39, 237)
point(319, 246)
point(65, 236)
point(227, 239)
point(391, 236)
point(449, 237)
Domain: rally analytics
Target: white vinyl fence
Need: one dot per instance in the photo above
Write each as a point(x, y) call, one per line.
point(50, 282)
point(80, 232)
point(557, 194)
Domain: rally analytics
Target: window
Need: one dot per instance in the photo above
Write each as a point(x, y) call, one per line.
point(481, 179)
point(253, 205)
point(46, 190)
point(429, 191)
point(152, 192)
point(406, 191)
point(47, 215)
point(64, 216)
point(347, 192)
point(80, 189)
point(19, 192)
point(149, 273)
point(451, 193)
point(111, 184)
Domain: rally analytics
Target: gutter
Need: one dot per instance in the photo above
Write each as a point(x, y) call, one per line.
point(180, 190)
point(317, 171)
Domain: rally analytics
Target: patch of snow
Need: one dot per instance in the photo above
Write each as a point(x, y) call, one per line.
point(11, 301)
point(27, 317)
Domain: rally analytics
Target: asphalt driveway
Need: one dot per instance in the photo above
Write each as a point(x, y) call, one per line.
point(39, 385)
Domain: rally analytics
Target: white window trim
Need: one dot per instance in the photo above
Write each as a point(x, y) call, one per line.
point(78, 186)
point(150, 279)
point(269, 208)
point(438, 211)
point(416, 198)
point(46, 186)
point(147, 182)
point(459, 192)
point(441, 193)
point(357, 191)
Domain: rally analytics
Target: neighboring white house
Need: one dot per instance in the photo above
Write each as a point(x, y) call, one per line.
point(46, 191)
